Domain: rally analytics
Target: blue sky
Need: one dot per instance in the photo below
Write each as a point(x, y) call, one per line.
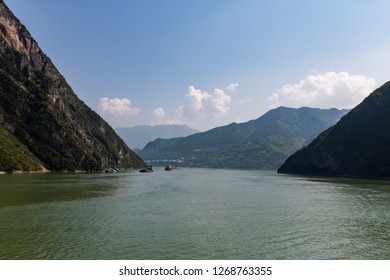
point(208, 63)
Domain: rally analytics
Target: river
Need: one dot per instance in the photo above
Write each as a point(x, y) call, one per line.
point(193, 213)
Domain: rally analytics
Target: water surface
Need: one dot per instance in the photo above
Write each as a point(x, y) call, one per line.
point(192, 214)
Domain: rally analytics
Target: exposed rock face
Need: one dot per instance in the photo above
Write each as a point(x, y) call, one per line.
point(39, 107)
point(357, 146)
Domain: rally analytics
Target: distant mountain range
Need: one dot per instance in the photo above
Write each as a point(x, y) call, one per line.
point(43, 124)
point(264, 143)
point(357, 146)
point(137, 137)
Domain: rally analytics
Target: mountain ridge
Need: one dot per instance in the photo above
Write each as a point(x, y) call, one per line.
point(138, 136)
point(41, 110)
point(263, 143)
point(357, 146)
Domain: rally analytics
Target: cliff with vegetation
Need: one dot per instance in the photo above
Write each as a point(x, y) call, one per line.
point(264, 143)
point(357, 146)
point(42, 116)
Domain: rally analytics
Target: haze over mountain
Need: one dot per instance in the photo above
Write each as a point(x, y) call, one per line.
point(357, 146)
point(263, 143)
point(137, 137)
point(43, 123)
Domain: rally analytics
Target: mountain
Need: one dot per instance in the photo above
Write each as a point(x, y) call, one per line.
point(357, 146)
point(14, 155)
point(47, 121)
point(264, 143)
point(138, 136)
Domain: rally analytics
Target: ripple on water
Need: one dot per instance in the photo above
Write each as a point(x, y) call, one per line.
point(193, 214)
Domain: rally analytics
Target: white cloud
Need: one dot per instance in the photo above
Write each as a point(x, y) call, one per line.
point(202, 104)
point(158, 116)
point(117, 107)
point(159, 113)
point(232, 87)
point(194, 102)
point(219, 103)
point(339, 90)
point(199, 109)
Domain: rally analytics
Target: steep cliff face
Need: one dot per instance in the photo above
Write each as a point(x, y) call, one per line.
point(357, 146)
point(39, 107)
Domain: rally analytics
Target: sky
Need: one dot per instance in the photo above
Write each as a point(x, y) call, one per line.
point(207, 63)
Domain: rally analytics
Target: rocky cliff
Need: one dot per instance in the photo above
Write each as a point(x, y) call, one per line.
point(41, 110)
point(357, 146)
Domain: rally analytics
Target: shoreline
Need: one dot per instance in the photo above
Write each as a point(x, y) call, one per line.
point(42, 170)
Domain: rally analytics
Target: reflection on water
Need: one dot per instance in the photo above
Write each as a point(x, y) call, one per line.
point(38, 188)
point(193, 214)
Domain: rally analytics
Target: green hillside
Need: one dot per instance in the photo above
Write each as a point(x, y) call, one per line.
point(264, 143)
point(357, 146)
point(15, 155)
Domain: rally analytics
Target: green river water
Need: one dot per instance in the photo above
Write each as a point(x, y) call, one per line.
point(192, 214)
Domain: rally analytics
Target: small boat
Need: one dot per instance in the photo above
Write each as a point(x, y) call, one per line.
point(147, 168)
point(170, 168)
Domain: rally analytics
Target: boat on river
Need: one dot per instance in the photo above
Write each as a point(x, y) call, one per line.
point(170, 168)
